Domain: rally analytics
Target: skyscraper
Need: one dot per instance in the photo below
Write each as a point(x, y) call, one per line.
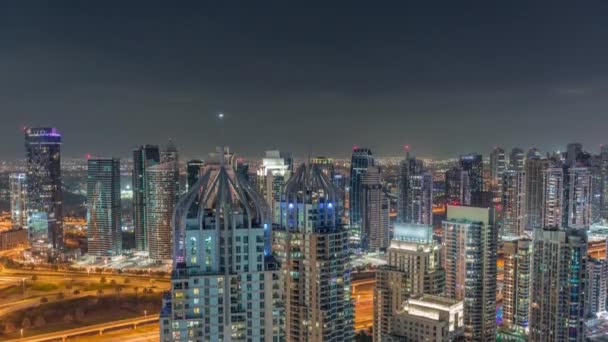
point(18, 192)
point(413, 268)
point(597, 275)
point(513, 203)
point(534, 191)
point(517, 278)
point(472, 163)
point(603, 165)
point(517, 159)
point(104, 233)
point(194, 168)
point(457, 189)
point(162, 193)
point(573, 154)
point(44, 193)
point(579, 197)
point(415, 192)
point(552, 211)
point(558, 285)
point(498, 165)
point(361, 159)
point(143, 157)
point(469, 257)
point(224, 287)
point(375, 213)
point(275, 171)
point(312, 247)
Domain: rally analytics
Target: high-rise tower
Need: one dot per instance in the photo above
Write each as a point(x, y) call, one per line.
point(375, 213)
point(312, 247)
point(194, 168)
point(224, 285)
point(415, 192)
point(162, 193)
point(104, 233)
point(498, 165)
point(513, 203)
point(472, 163)
point(517, 159)
point(143, 158)
point(361, 159)
point(469, 257)
point(44, 193)
point(18, 191)
point(559, 285)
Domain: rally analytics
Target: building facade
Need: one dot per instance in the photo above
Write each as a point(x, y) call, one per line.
point(225, 286)
point(312, 247)
point(469, 257)
point(44, 194)
point(361, 159)
point(18, 191)
point(513, 203)
point(143, 157)
point(559, 285)
point(415, 191)
point(104, 234)
point(375, 212)
point(517, 280)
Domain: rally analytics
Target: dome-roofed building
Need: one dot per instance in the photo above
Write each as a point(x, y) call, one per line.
point(312, 247)
point(223, 273)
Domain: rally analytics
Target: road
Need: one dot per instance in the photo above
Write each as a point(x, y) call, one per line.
point(91, 329)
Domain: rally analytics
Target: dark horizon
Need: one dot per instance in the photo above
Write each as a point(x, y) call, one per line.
point(310, 79)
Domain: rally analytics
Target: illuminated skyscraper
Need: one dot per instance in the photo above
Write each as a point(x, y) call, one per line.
point(469, 257)
point(18, 191)
point(104, 233)
point(194, 168)
point(224, 284)
point(513, 203)
point(143, 158)
point(361, 159)
point(457, 189)
point(375, 213)
point(534, 190)
point(597, 275)
point(559, 285)
point(415, 192)
point(472, 163)
point(498, 165)
point(275, 171)
point(44, 193)
point(517, 279)
point(552, 211)
point(603, 165)
point(413, 268)
point(579, 197)
point(517, 159)
point(312, 247)
point(162, 193)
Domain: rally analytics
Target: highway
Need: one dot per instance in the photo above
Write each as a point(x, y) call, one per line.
point(95, 329)
point(363, 296)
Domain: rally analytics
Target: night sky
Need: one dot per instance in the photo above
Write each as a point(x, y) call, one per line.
point(446, 77)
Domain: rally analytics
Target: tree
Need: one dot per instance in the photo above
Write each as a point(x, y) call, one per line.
point(113, 282)
point(76, 292)
point(127, 280)
point(60, 296)
point(34, 277)
point(99, 292)
point(44, 300)
point(103, 280)
point(136, 289)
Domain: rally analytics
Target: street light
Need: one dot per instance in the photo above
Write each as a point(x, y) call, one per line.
point(21, 332)
point(145, 313)
point(23, 285)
